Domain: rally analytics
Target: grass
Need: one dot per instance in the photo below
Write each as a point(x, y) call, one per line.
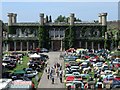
point(35, 81)
point(21, 66)
point(24, 65)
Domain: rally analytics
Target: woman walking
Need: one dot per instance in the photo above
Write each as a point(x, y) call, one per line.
point(52, 79)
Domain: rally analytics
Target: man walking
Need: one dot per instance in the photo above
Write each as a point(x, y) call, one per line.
point(60, 75)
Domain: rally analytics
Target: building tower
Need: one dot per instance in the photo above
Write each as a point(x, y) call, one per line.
point(104, 19)
point(100, 18)
point(14, 18)
point(10, 19)
point(41, 18)
point(72, 19)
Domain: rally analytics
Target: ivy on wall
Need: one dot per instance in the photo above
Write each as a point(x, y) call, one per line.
point(43, 37)
point(69, 39)
point(11, 30)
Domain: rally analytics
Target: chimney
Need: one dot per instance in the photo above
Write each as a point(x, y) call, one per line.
point(10, 19)
point(71, 18)
point(104, 19)
point(41, 18)
point(14, 19)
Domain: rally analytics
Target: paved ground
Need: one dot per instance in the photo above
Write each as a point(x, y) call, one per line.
point(44, 82)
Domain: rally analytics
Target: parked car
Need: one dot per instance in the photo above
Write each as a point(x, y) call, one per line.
point(5, 84)
point(29, 72)
point(44, 50)
point(17, 73)
point(18, 84)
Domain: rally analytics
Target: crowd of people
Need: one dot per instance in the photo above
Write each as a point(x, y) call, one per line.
point(55, 70)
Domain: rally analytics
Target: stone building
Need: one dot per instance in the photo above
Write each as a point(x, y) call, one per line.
point(24, 36)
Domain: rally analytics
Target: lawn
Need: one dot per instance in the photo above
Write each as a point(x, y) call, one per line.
point(35, 81)
point(24, 65)
point(21, 66)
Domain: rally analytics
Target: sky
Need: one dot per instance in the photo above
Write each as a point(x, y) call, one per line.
point(29, 11)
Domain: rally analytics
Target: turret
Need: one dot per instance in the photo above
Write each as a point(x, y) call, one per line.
point(71, 19)
point(10, 18)
point(100, 18)
point(104, 19)
point(41, 18)
point(14, 18)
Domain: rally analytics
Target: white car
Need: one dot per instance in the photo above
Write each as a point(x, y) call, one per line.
point(107, 72)
point(116, 61)
point(30, 72)
point(21, 84)
point(5, 83)
point(99, 64)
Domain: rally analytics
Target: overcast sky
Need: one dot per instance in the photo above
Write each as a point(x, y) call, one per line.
point(86, 11)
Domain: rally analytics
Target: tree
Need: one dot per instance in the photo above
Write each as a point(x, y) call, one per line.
point(61, 19)
point(77, 19)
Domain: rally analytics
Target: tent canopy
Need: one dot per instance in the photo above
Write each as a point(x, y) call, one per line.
point(35, 56)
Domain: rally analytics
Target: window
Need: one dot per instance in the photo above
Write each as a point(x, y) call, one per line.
point(51, 33)
point(61, 33)
point(56, 33)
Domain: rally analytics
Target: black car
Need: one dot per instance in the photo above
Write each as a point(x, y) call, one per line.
point(22, 78)
point(43, 55)
point(44, 50)
point(6, 75)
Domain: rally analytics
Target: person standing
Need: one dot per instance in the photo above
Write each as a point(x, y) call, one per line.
point(60, 75)
point(47, 75)
point(52, 79)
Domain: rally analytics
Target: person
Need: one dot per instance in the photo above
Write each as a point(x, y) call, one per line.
point(46, 70)
point(47, 75)
point(61, 77)
point(69, 87)
point(57, 72)
point(60, 67)
point(52, 79)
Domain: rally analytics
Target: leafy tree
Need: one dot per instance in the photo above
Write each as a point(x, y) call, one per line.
point(41, 36)
point(61, 19)
point(77, 19)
